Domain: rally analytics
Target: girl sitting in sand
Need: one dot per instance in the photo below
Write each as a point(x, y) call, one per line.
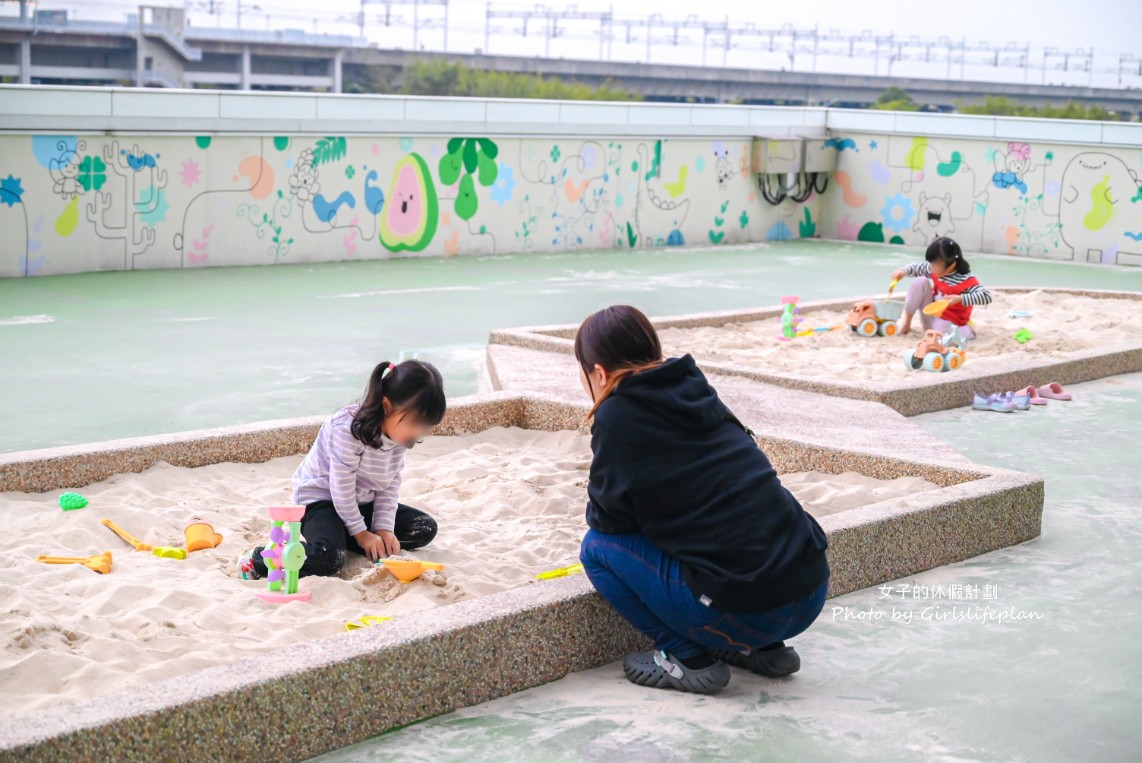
point(349, 481)
point(693, 539)
point(951, 280)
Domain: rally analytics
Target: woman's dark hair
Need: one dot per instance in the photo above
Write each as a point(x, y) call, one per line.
point(621, 340)
point(948, 252)
point(412, 387)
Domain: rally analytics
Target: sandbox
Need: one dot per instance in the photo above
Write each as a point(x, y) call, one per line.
point(509, 501)
point(523, 636)
point(1077, 335)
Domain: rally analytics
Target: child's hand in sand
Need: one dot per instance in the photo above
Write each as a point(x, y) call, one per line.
point(392, 545)
point(373, 544)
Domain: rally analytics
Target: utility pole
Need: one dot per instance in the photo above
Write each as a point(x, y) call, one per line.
point(416, 21)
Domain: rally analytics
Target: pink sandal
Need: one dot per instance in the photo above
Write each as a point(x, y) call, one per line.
point(1054, 391)
point(1032, 393)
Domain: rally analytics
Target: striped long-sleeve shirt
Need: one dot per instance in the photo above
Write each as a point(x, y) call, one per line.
point(975, 295)
point(342, 469)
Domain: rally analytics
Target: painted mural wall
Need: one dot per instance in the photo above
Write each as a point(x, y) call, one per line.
point(1060, 202)
point(96, 202)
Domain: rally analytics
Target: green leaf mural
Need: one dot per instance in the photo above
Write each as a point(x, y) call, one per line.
point(466, 203)
point(488, 170)
point(469, 161)
point(949, 168)
point(873, 232)
point(808, 228)
point(450, 168)
point(656, 162)
point(716, 234)
point(329, 149)
point(92, 173)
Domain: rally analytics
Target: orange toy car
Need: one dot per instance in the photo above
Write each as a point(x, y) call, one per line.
point(875, 318)
point(935, 353)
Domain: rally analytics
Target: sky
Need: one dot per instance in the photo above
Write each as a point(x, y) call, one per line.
point(1109, 27)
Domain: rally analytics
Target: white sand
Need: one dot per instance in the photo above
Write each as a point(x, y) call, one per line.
point(1060, 324)
point(509, 503)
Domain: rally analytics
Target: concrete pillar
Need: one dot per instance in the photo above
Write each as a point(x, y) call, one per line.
point(246, 67)
point(25, 60)
point(140, 51)
point(335, 67)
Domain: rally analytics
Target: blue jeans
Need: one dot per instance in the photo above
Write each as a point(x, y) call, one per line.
point(645, 586)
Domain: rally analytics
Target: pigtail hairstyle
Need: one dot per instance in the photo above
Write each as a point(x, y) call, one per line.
point(412, 388)
point(948, 252)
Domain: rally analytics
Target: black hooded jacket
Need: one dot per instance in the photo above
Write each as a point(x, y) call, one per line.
point(671, 463)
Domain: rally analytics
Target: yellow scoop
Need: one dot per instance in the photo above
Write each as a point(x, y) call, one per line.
point(366, 622)
point(408, 570)
point(562, 572)
point(937, 308)
point(135, 542)
point(892, 285)
point(101, 563)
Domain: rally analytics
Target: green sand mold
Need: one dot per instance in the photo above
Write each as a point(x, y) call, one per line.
point(72, 501)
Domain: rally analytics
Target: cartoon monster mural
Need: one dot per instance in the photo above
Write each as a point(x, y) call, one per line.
point(934, 217)
point(1095, 199)
point(723, 170)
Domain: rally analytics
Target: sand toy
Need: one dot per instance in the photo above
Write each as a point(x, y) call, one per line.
point(101, 563)
point(201, 536)
point(366, 622)
point(284, 556)
point(562, 572)
point(72, 501)
point(875, 318)
point(937, 352)
point(135, 543)
point(408, 570)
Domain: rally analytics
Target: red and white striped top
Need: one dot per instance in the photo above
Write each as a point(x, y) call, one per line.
point(342, 469)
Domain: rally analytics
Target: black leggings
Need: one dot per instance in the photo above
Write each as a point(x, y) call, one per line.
point(327, 539)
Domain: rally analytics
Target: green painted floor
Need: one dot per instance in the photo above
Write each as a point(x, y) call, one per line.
point(1061, 688)
point(107, 355)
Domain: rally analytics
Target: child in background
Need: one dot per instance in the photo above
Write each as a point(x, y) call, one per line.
point(349, 481)
point(951, 280)
point(693, 538)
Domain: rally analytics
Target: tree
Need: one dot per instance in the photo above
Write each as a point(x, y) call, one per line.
point(895, 99)
point(445, 78)
point(999, 106)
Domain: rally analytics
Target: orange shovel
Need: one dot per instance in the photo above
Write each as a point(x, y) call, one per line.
point(101, 563)
point(937, 308)
point(135, 542)
point(408, 570)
